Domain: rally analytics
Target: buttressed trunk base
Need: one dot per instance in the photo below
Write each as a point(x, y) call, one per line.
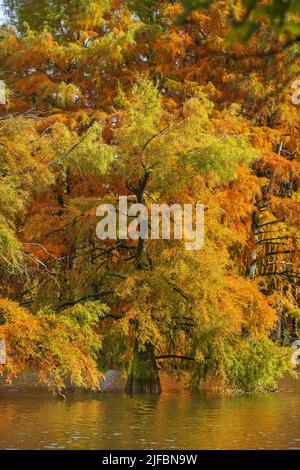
point(143, 373)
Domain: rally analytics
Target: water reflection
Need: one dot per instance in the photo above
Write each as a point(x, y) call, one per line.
point(178, 419)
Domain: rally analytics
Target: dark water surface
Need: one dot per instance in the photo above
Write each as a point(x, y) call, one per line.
point(178, 419)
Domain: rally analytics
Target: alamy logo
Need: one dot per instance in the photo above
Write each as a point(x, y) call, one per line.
point(2, 92)
point(137, 221)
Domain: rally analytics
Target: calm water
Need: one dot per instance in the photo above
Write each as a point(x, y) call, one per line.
point(178, 419)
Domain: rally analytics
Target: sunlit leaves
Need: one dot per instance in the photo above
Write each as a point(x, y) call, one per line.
point(10, 247)
point(91, 154)
point(104, 96)
point(63, 346)
point(256, 364)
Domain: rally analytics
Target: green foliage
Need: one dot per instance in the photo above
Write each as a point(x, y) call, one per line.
point(280, 14)
point(141, 114)
point(54, 16)
point(149, 11)
point(88, 152)
point(111, 48)
point(12, 197)
point(87, 314)
point(10, 247)
point(92, 154)
point(222, 156)
point(191, 5)
point(243, 365)
point(187, 139)
point(294, 313)
point(255, 364)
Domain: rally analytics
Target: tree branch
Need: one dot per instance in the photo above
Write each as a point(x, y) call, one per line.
point(175, 356)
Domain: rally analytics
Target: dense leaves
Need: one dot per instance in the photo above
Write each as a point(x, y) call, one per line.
point(63, 347)
point(253, 15)
point(123, 98)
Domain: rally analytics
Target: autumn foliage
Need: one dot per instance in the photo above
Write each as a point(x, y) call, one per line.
point(109, 98)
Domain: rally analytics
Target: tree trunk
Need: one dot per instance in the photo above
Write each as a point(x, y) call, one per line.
point(251, 270)
point(143, 373)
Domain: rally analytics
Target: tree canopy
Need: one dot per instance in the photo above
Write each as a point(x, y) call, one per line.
point(110, 98)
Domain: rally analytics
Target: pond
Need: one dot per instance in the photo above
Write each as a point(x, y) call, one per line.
point(178, 419)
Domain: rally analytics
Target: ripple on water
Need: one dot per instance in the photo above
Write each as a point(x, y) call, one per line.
point(176, 419)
